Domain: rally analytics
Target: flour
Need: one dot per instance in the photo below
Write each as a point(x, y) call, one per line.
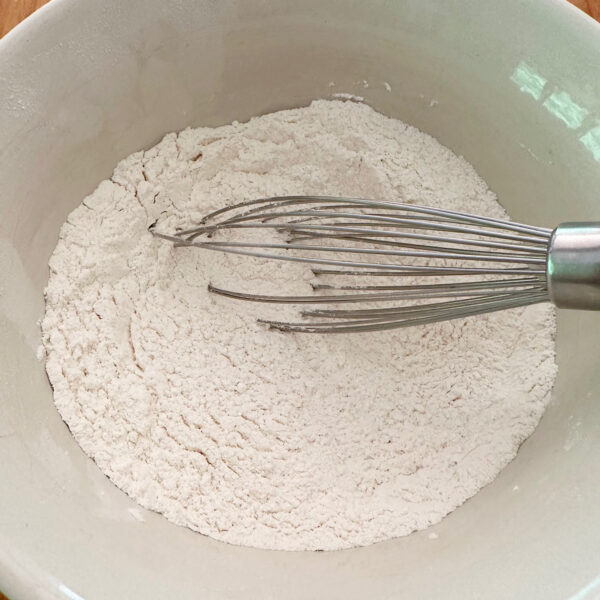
point(267, 439)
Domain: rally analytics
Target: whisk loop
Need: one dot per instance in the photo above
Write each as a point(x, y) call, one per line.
point(469, 264)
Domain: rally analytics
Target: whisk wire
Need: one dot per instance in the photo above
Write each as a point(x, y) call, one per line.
point(504, 263)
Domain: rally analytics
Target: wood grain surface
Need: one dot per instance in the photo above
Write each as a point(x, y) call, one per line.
point(13, 12)
point(591, 7)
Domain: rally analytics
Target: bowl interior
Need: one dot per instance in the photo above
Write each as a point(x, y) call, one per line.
point(511, 86)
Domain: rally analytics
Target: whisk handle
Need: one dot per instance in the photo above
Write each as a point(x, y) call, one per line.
point(573, 266)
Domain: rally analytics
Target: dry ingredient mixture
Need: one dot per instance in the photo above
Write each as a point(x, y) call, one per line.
point(267, 439)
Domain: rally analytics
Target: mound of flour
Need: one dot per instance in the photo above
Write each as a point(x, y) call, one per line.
point(266, 439)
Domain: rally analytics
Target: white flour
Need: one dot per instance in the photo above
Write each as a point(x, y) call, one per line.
point(275, 440)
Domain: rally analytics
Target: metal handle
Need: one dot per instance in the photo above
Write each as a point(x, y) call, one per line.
point(573, 267)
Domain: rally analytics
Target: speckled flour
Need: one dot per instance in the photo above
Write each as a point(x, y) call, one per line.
point(267, 439)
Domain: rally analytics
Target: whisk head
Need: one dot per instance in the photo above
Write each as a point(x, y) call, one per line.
point(399, 265)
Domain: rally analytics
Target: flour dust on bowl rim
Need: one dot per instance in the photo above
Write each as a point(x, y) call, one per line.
point(512, 87)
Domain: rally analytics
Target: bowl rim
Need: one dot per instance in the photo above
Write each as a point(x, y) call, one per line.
point(17, 578)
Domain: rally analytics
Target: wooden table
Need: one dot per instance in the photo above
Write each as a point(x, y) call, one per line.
point(591, 7)
point(13, 12)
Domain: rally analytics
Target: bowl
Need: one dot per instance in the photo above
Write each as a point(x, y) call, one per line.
point(513, 86)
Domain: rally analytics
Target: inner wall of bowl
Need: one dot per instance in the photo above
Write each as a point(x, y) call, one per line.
point(89, 83)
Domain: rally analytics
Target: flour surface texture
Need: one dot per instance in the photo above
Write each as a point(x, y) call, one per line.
point(269, 439)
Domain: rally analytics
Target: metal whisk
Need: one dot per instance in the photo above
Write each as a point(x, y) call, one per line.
point(414, 265)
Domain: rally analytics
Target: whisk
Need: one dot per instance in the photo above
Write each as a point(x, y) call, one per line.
point(401, 265)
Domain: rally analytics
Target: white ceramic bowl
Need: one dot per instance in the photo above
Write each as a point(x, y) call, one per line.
point(513, 86)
